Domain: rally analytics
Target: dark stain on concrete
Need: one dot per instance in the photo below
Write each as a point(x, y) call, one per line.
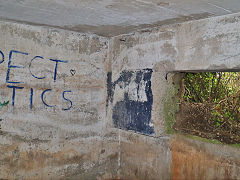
point(132, 114)
point(109, 89)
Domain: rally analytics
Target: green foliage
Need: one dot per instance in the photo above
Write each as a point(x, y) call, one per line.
point(220, 91)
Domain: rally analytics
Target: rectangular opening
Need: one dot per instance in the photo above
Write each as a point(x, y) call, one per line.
point(210, 106)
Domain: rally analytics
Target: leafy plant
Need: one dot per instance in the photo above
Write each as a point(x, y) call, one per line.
point(221, 92)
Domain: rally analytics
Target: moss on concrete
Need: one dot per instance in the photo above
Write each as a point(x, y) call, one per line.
point(235, 145)
point(171, 103)
point(213, 141)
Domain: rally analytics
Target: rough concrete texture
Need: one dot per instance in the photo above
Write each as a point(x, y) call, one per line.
point(192, 159)
point(112, 17)
point(52, 125)
point(87, 87)
point(144, 157)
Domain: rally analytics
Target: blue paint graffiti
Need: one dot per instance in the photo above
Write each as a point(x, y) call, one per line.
point(63, 96)
point(30, 64)
point(2, 57)
point(13, 66)
point(42, 97)
point(14, 88)
point(31, 98)
point(14, 91)
point(133, 113)
point(56, 66)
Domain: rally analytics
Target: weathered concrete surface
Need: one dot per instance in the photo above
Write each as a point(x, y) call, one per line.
point(81, 159)
point(143, 157)
point(204, 44)
point(59, 133)
point(111, 17)
point(193, 159)
point(83, 71)
point(207, 44)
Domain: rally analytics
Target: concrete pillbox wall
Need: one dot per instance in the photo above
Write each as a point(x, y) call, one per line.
point(88, 106)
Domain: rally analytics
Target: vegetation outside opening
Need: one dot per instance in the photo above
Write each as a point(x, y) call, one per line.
point(210, 106)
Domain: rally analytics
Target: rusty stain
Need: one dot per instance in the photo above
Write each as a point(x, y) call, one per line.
point(13, 162)
point(190, 161)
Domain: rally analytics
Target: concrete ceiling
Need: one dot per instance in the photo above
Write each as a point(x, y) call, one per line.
point(112, 17)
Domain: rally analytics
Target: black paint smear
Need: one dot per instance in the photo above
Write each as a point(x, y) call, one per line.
point(129, 114)
point(123, 81)
point(73, 72)
point(109, 89)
